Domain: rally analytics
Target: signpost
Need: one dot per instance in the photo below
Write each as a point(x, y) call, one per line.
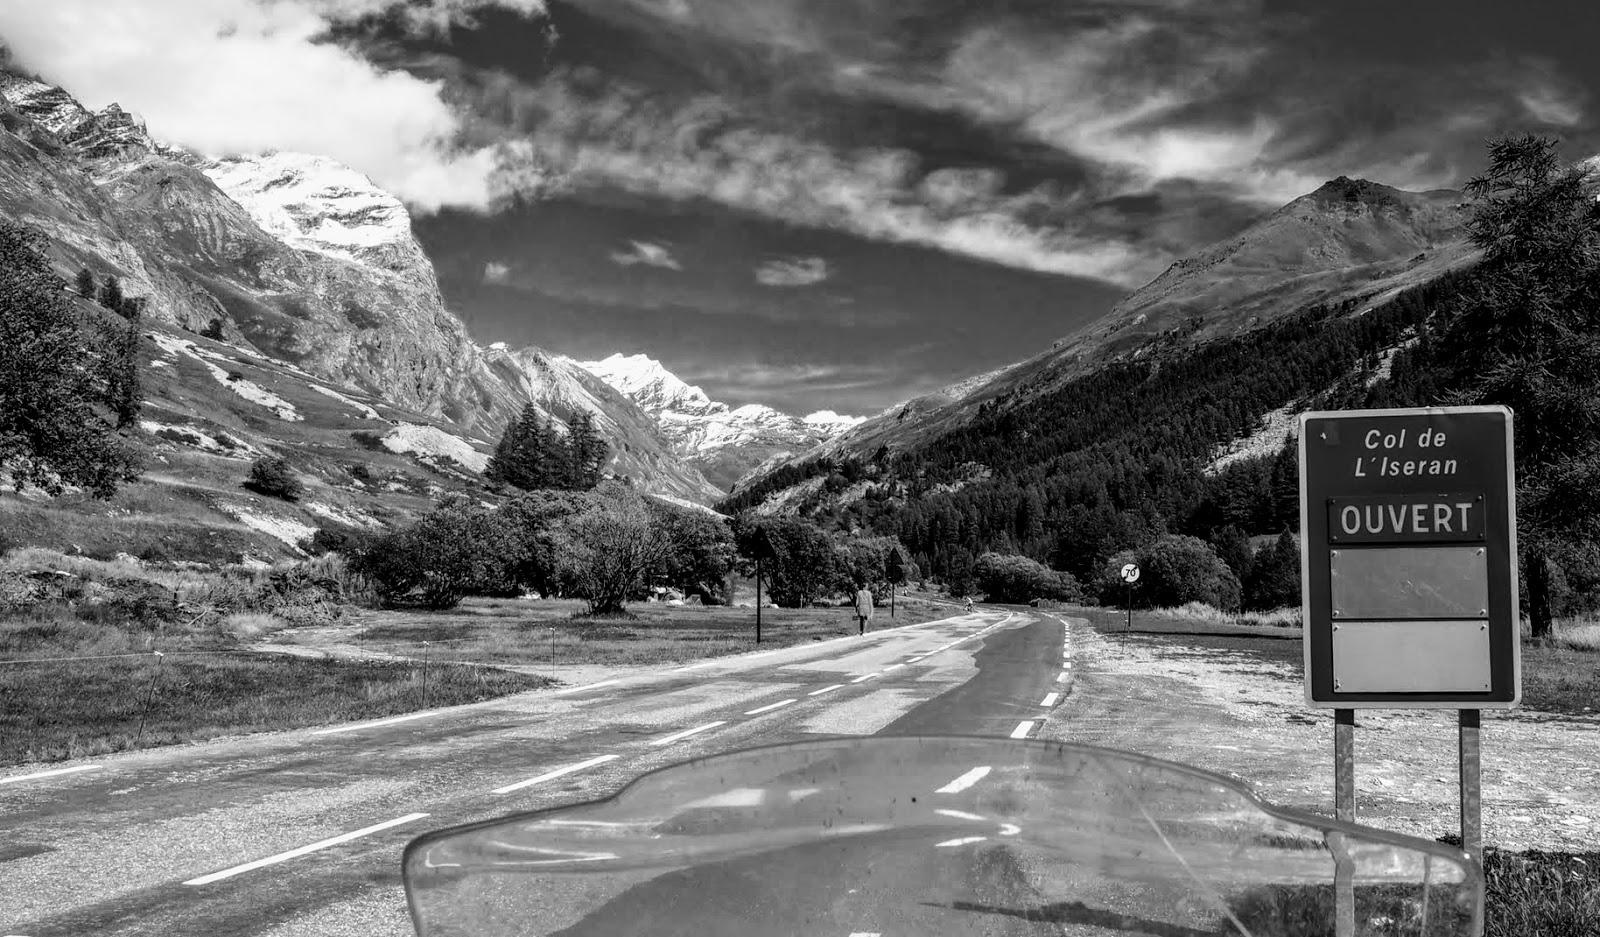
point(1130, 575)
point(1409, 584)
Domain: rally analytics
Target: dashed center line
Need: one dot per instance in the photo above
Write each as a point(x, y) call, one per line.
point(49, 774)
point(552, 775)
point(688, 732)
point(303, 850)
point(865, 676)
point(826, 689)
point(963, 841)
point(1022, 729)
point(965, 781)
point(1050, 699)
point(768, 708)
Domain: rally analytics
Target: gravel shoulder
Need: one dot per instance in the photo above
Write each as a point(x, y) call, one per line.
point(1237, 714)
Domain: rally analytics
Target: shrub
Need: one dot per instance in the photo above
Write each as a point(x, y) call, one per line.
point(805, 566)
point(271, 475)
point(1175, 570)
point(458, 548)
point(609, 549)
point(1017, 579)
point(699, 555)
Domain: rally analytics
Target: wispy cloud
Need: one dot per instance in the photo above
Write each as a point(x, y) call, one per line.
point(647, 253)
point(226, 76)
point(496, 272)
point(793, 271)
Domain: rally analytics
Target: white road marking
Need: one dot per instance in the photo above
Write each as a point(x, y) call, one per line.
point(768, 708)
point(1009, 829)
point(965, 781)
point(959, 814)
point(1050, 699)
point(915, 659)
point(863, 933)
point(552, 775)
point(892, 667)
point(374, 725)
point(1022, 729)
point(688, 732)
point(303, 850)
point(49, 774)
point(588, 686)
point(1065, 676)
point(865, 676)
point(963, 841)
point(826, 689)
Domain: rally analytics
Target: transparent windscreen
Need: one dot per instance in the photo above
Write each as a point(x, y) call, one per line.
point(933, 836)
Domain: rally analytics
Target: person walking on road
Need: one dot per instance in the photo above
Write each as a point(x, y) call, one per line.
point(862, 600)
point(969, 603)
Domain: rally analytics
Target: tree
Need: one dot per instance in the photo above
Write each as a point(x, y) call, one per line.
point(1274, 580)
point(1233, 547)
point(52, 432)
point(1017, 579)
point(804, 565)
point(700, 552)
point(85, 283)
point(610, 547)
point(272, 476)
point(1527, 335)
point(111, 293)
point(458, 548)
point(123, 391)
point(1175, 569)
point(587, 452)
point(536, 519)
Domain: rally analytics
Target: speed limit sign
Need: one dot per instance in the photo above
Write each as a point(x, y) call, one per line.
point(1130, 572)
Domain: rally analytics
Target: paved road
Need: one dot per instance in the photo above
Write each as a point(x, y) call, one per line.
point(299, 833)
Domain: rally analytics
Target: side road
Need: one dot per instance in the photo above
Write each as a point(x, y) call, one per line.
point(1239, 715)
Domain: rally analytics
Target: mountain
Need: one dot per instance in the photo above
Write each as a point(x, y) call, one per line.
point(725, 443)
point(300, 276)
point(1351, 242)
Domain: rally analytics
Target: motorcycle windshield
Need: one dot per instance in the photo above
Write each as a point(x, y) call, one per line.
point(934, 836)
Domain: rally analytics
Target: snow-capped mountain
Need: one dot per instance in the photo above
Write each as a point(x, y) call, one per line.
point(724, 442)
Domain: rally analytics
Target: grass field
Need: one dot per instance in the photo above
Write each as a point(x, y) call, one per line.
point(490, 631)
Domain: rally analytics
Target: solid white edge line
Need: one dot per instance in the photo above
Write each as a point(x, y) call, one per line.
point(769, 707)
point(49, 774)
point(826, 689)
point(552, 775)
point(303, 850)
point(588, 686)
point(1022, 729)
point(378, 724)
point(1050, 699)
point(688, 732)
point(965, 781)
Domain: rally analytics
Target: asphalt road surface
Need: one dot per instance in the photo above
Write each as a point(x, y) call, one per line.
point(300, 833)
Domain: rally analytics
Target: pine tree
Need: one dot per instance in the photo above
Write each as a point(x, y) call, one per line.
point(127, 397)
point(86, 287)
point(587, 452)
point(111, 294)
point(529, 466)
point(499, 468)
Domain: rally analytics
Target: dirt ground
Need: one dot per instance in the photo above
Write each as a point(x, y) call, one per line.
point(1245, 717)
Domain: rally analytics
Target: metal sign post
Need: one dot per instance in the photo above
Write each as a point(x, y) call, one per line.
point(1130, 575)
point(1409, 581)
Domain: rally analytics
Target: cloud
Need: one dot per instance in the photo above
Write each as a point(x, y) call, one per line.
point(495, 272)
point(644, 252)
point(832, 417)
point(793, 271)
point(242, 76)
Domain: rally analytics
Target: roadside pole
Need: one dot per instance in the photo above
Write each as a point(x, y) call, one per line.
point(1344, 808)
point(1130, 575)
point(1469, 721)
point(758, 600)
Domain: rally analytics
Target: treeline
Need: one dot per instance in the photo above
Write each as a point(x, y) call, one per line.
point(532, 455)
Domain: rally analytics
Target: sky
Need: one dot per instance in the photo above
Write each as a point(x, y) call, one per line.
point(827, 205)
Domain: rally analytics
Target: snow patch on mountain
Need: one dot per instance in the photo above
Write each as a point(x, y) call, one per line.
point(249, 390)
point(432, 441)
point(367, 413)
point(697, 424)
point(315, 203)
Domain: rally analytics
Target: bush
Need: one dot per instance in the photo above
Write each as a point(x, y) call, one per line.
point(1175, 570)
point(271, 475)
point(610, 547)
point(337, 538)
point(1019, 580)
point(458, 548)
point(806, 567)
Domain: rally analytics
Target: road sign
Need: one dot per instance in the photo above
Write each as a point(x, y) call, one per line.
point(1408, 559)
point(1130, 572)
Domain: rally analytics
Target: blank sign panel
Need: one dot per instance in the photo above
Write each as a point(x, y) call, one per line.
point(1409, 582)
point(1411, 656)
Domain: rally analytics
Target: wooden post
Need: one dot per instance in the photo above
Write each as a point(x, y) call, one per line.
point(758, 598)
